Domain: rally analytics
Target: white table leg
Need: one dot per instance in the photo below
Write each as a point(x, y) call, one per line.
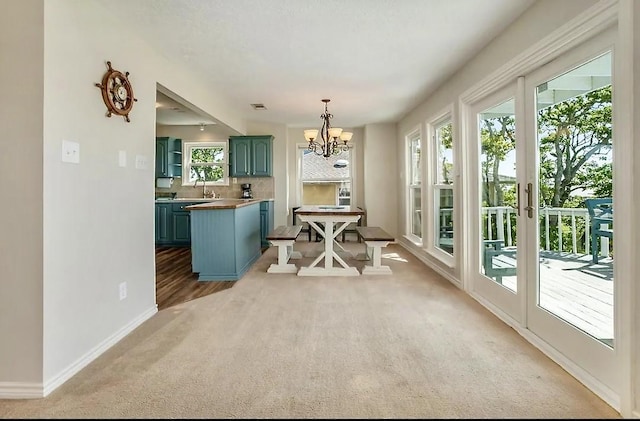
point(328, 255)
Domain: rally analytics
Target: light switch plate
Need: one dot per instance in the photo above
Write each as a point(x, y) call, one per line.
point(141, 162)
point(70, 152)
point(122, 158)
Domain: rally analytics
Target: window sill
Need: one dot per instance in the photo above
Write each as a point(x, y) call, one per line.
point(416, 241)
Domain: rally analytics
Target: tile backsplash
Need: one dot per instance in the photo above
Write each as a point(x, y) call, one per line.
point(261, 188)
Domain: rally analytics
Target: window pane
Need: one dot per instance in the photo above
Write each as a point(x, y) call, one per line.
point(497, 182)
point(415, 161)
point(207, 154)
point(444, 219)
point(326, 181)
point(205, 161)
point(212, 173)
point(443, 196)
point(445, 154)
point(416, 212)
point(415, 188)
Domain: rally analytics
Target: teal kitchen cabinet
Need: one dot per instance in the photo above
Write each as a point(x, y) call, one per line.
point(164, 224)
point(251, 156)
point(173, 223)
point(168, 157)
point(266, 221)
point(181, 224)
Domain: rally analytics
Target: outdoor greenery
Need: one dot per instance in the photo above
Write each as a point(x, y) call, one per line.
point(206, 163)
point(575, 142)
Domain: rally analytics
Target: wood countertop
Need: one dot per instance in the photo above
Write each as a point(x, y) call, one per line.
point(224, 204)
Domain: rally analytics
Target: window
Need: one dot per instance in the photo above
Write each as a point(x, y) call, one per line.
point(415, 187)
point(206, 161)
point(443, 185)
point(326, 181)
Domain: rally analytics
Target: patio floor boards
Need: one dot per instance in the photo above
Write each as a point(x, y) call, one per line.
point(577, 290)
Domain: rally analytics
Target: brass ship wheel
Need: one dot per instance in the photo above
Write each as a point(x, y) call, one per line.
point(117, 92)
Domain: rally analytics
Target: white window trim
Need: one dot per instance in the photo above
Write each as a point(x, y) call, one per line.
point(408, 232)
point(446, 115)
point(186, 161)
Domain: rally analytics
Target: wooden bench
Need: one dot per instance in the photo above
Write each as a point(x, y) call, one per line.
point(375, 239)
point(284, 237)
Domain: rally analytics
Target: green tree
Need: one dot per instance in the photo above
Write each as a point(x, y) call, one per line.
point(204, 161)
point(498, 139)
point(446, 143)
point(574, 140)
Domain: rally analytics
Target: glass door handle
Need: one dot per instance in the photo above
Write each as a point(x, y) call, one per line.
point(529, 207)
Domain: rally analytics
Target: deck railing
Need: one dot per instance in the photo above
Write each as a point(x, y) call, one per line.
point(499, 224)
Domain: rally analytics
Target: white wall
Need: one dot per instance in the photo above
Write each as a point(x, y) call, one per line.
point(77, 230)
point(21, 55)
point(380, 171)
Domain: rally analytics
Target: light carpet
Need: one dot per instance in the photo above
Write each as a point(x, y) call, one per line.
point(407, 345)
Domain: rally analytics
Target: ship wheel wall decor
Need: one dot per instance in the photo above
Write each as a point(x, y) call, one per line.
point(117, 92)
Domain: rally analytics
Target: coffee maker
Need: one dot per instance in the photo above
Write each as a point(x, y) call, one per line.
point(246, 191)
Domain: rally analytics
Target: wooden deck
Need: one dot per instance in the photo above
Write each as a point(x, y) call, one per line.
point(576, 290)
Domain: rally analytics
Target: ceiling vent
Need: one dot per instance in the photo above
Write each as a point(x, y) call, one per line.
point(258, 106)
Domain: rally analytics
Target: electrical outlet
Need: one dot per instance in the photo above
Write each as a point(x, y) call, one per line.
point(123, 290)
point(235, 180)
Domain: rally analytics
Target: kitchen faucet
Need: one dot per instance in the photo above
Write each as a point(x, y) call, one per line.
point(204, 186)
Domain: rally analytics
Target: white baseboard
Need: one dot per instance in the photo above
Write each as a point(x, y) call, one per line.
point(431, 264)
point(19, 390)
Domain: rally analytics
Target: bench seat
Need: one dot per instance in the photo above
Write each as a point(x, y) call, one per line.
point(375, 238)
point(283, 237)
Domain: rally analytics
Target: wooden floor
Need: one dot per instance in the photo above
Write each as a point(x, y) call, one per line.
point(175, 283)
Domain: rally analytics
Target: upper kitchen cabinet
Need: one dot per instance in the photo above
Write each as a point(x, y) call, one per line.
point(168, 157)
point(251, 156)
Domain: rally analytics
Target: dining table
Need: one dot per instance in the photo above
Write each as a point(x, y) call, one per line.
point(329, 222)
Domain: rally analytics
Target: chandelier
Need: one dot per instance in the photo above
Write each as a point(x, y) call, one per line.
point(329, 135)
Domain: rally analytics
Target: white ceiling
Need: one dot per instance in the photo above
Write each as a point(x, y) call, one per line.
point(375, 59)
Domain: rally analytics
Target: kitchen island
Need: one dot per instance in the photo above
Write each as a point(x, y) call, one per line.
point(225, 238)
